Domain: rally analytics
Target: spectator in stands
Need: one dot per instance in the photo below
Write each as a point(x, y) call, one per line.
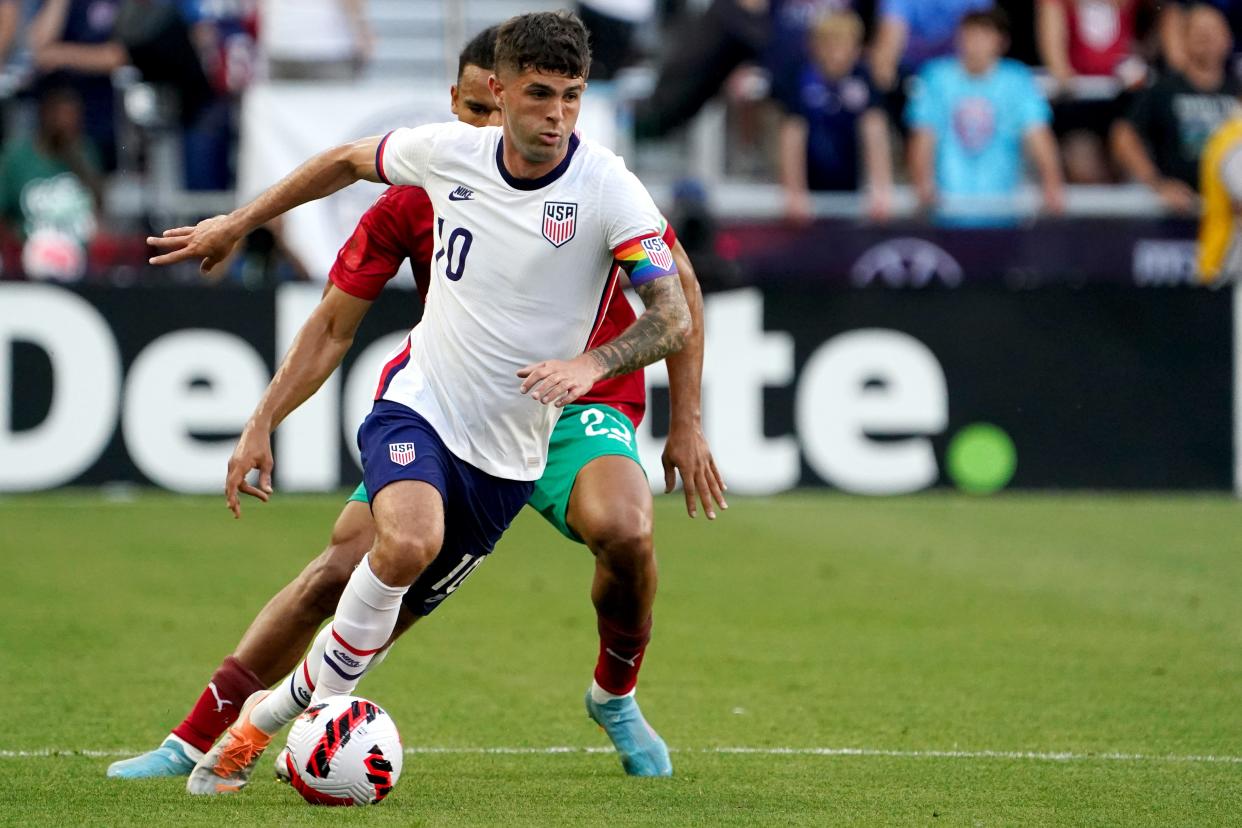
point(1088, 39)
point(832, 117)
point(1160, 140)
point(792, 21)
point(970, 118)
point(224, 36)
point(72, 45)
point(911, 32)
point(1173, 24)
point(315, 39)
point(50, 189)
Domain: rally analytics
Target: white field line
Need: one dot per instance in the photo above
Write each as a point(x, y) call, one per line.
point(1037, 756)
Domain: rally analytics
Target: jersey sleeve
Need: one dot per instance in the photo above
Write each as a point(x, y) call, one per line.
point(404, 154)
point(634, 228)
point(374, 252)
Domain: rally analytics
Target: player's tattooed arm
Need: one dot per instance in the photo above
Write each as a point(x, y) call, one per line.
point(660, 331)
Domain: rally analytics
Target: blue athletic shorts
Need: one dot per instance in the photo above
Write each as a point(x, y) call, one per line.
point(398, 444)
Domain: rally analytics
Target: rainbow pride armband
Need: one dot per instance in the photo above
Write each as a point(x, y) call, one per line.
point(645, 258)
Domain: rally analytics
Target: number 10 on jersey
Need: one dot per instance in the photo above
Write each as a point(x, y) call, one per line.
point(456, 249)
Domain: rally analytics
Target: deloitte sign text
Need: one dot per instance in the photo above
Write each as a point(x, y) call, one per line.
point(866, 391)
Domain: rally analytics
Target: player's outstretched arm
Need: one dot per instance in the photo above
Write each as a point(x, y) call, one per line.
point(317, 350)
point(211, 240)
point(660, 331)
point(687, 450)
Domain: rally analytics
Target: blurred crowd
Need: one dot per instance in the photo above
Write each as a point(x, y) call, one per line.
point(954, 96)
point(89, 84)
point(964, 101)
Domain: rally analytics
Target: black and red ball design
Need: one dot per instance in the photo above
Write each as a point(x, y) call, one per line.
point(344, 750)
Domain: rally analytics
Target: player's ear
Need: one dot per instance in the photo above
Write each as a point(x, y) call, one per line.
point(453, 99)
point(497, 88)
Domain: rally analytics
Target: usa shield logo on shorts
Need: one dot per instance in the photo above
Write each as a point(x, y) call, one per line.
point(559, 221)
point(401, 453)
point(658, 252)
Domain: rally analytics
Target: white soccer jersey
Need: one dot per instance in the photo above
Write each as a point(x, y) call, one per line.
point(521, 272)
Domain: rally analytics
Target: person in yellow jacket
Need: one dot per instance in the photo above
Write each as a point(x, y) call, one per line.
point(1220, 183)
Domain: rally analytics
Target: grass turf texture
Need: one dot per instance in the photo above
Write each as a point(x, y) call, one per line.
point(1087, 625)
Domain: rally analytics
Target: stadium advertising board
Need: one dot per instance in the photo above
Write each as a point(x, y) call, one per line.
point(1139, 252)
point(872, 392)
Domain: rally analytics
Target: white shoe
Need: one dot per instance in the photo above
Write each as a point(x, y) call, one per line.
point(227, 767)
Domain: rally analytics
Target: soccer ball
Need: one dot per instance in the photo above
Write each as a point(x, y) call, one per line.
point(344, 751)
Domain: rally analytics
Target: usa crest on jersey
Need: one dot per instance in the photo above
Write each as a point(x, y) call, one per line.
point(401, 453)
point(559, 220)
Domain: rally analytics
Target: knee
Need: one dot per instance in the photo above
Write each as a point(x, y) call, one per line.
point(323, 580)
point(621, 539)
point(399, 557)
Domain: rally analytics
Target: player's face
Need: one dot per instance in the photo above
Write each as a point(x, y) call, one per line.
point(540, 112)
point(473, 101)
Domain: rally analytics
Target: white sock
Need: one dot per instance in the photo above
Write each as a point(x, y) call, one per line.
point(292, 695)
point(599, 695)
point(364, 621)
point(190, 751)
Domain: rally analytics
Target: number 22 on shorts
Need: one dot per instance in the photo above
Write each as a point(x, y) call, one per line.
point(593, 420)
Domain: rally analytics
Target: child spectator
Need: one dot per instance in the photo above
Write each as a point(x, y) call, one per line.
point(832, 117)
point(1160, 140)
point(970, 118)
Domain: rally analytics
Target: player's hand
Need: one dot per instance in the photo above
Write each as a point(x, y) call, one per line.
point(211, 240)
point(253, 451)
point(687, 452)
point(559, 382)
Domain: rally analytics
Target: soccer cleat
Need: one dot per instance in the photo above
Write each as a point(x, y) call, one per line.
point(169, 759)
point(282, 767)
point(642, 751)
point(227, 767)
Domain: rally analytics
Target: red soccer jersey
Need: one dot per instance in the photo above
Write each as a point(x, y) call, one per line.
point(398, 226)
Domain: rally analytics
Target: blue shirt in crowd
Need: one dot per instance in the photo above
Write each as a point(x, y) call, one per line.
point(932, 25)
point(831, 109)
point(979, 124)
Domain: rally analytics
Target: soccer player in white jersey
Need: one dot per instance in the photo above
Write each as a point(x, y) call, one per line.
point(530, 221)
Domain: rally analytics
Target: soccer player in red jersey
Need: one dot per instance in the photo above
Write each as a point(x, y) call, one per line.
point(594, 490)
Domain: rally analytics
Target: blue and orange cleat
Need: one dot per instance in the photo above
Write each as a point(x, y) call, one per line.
point(642, 751)
point(169, 759)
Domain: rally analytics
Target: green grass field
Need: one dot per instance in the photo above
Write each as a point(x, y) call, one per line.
point(1024, 660)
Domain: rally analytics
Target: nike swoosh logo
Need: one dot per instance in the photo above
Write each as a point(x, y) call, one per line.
point(456, 197)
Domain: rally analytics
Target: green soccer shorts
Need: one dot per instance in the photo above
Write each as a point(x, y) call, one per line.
point(583, 433)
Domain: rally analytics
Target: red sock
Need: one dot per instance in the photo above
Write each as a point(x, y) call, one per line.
point(218, 706)
point(620, 656)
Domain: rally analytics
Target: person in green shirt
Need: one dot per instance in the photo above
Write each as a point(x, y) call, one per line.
point(50, 189)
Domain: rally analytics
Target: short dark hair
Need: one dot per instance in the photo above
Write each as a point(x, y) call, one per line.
point(993, 18)
point(552, 42)
point(480, 51)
